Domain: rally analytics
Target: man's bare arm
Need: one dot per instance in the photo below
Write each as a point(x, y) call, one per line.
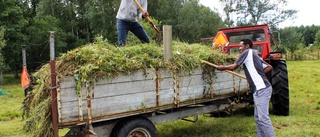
point(228, 67)
point(267, 69)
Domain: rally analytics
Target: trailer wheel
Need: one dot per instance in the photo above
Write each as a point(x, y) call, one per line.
point(280, 93)
point(137, 127)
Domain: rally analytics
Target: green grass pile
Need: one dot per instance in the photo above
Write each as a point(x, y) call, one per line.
point(99, 60)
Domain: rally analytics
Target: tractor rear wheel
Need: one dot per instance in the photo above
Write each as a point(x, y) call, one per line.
point(280, 93)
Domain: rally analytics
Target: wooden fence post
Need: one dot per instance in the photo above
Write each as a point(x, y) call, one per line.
point(167, 42)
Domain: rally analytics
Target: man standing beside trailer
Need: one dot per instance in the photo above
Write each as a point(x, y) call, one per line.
point(255, 69)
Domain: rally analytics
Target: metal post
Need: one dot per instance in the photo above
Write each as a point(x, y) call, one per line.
point(54, 109)
point(167, 42)
point(24, 62)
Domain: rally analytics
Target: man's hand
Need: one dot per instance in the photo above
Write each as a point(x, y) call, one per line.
point(221, 68)
point(145, 14)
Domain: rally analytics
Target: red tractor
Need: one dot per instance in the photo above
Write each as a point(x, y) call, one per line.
point(228, 40)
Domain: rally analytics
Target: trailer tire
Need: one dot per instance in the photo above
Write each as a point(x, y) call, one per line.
point(280, 93)
point(141, 127)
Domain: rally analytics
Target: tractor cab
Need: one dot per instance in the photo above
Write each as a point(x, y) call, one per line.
point(228, 39)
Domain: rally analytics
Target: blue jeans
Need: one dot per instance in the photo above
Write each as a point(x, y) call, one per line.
point(124, 27)
point(261, 112)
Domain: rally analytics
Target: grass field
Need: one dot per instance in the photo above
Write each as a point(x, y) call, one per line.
point(304, 119)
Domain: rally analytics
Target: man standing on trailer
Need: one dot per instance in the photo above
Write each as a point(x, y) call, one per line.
point(255, 69)
point(127, 21)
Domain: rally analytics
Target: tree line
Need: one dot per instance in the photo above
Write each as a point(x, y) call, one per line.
point(77, 22)
point(303, 39)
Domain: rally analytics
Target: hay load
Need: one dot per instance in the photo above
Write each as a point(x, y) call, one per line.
point(96, 61)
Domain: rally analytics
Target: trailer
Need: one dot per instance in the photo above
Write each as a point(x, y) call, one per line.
point(131, 105)
point(128, 104)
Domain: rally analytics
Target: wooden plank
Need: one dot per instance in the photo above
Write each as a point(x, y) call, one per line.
point(69, 82)
point(192, 93)
point(107, 90)
point(135, 83)
point(110, 105)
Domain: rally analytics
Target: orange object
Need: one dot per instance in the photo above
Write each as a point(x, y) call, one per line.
point(25, 79)
point(220, 40)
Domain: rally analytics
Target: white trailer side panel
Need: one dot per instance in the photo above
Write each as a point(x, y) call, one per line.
point(137, 93)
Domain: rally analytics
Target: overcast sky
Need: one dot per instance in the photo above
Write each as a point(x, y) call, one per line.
point(308, 11)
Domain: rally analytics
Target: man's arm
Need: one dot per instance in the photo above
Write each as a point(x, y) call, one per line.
point(228, 67)
point(267, 69)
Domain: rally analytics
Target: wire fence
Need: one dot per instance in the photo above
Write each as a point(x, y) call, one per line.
point(302, 55)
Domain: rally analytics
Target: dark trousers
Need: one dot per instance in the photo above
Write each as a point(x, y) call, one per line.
point(124, 27)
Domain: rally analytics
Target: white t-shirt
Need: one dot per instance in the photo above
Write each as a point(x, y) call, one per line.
point(254, 69)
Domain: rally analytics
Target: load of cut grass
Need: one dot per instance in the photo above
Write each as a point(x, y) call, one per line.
point(92, 62)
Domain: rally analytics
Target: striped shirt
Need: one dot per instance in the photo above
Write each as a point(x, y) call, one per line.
point(253, 68)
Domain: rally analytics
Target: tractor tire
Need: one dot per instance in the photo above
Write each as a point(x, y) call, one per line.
point(136, 127)
point(280, 93)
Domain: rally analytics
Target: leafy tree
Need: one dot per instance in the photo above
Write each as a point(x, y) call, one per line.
point(189, 20)
point(209, 22)
point(11, 18)
point(38, 47)
point(317, 39)
point(197, 21)
point(166, 11)
point(308, 33)
point(101, 15)
point(29, 8)
point(57, 16)
point(316, 45)
point(2, 63)
point(252, 12)
point(70, 15)
point(73, 13)
point(291, 39)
